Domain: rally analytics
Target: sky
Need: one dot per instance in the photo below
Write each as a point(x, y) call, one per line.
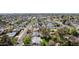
point(39, 6)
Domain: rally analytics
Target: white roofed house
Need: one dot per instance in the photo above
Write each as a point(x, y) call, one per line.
point(12, 34)
point(36, 39)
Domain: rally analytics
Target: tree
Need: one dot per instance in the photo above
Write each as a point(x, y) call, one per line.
point(26, 40)
point(14, 40)
point(5, 41)
point(44, 42)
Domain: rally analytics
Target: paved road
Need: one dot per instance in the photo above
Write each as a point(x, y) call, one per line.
point(22, 35)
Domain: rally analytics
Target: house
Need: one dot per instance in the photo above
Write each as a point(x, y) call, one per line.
point(36, 40)
point(1, 30)
point(12, 34)
point(50, 25)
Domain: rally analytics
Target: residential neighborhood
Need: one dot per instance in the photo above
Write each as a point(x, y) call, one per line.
point(39, 29)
